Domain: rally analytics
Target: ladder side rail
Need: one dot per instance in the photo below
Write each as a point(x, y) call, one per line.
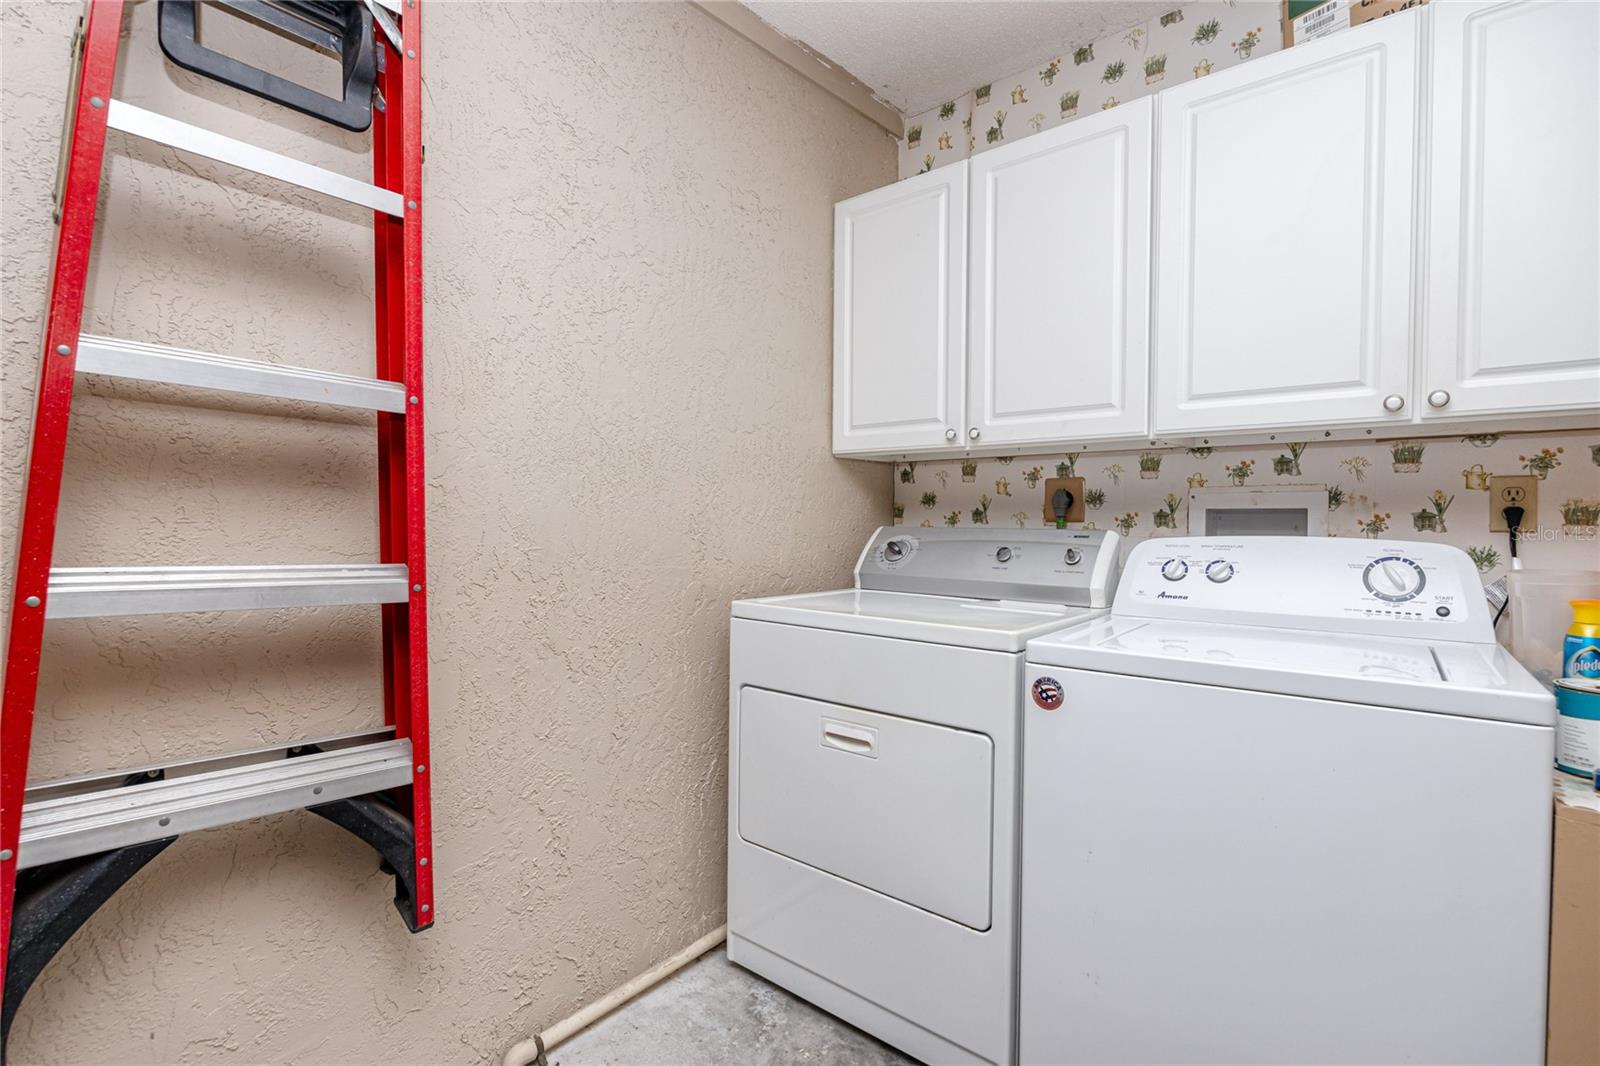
point(402, 526)
point(47, 451)
point(416, 480)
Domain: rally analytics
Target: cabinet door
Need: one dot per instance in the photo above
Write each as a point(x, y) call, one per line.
point(1284, 237)
point(1513, 311)
point(1059, 283)
point(899, 315)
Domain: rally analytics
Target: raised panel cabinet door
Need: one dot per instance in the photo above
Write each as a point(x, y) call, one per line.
point(1284, 237)
point(899, 315)
point(1059, 282)
point(1513, 309)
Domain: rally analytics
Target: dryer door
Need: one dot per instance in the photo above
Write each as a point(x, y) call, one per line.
point(902, 807)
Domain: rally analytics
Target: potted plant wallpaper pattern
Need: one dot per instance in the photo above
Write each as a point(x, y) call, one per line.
point(938, 136)
point(1182, 44)
point(1407, 456)
point(1540, 463)
point(1405, 489)
point(1580, 516)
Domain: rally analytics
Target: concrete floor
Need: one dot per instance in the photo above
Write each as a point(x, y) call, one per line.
point(713, 1012)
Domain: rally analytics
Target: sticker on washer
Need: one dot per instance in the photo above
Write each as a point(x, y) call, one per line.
point(1047, 693)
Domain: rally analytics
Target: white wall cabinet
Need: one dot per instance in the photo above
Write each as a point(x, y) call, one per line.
point(1284, 238)
point(1058, 283)
point(1057, 294)
point(1513, 309)
point(1308, 270)
point(899, 315)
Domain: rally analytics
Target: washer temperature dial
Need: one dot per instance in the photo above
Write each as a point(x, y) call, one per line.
point(1394, 578)
point(1219, 570)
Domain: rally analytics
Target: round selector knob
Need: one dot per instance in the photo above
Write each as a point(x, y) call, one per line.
point(1174, 569)
point(1394, 578)
point(895, 550)
point(1002, 555)
point(1073, 557)
point(1219, 570)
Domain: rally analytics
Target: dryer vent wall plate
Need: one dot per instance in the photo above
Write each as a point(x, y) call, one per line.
point(1073, 485)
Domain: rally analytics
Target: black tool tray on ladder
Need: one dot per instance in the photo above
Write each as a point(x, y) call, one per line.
point(339, 28)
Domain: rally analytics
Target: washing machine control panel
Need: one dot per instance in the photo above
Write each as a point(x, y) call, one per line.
point(1078, 567)
point(1402, 588)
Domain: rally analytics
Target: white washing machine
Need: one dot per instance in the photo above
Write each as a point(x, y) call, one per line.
point(1293, 806)
point(872, 782)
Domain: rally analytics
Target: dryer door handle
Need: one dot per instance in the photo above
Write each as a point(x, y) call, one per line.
point(855, 739)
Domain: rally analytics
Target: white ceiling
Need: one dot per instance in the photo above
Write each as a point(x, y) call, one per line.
point(917, 54)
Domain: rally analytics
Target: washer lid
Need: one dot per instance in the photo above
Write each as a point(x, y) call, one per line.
point(1441, 677)
point(991, 625)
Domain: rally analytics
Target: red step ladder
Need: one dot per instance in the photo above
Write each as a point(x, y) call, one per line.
point(66, 846)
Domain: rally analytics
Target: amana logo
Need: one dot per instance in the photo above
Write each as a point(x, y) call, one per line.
point(1165, 595)
point(1047, 693)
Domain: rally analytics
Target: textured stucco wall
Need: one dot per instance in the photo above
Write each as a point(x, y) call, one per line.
point(628, 271)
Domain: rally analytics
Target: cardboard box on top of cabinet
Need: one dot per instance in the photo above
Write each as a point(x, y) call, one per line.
point(1574, 1033)
point(1306, 20)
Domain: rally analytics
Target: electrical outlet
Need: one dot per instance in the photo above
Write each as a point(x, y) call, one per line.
point(1513, 490)
point(1073, 485)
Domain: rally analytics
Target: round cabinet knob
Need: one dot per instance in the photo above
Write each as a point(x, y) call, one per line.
point(949, 434)
point(1438, 398)
point(973, 434)
point(1394, 402)
point(1219, 570)
point(894, 551)
point(1174, 569)
point(1002, 555)
point(1073, 557)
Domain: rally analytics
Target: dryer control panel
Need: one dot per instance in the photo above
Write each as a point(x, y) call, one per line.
point(1075, 567)
point(1404, 588)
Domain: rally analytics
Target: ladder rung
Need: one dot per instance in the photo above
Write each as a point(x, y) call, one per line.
point(178, 366)
point(100, 592)
point(64, 827)
point(173, 133)
point(100, 780)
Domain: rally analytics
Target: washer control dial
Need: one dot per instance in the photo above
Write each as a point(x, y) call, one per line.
point(1219, 570)
point(1394, 578)
point(1174, 569)
point(1073, 557)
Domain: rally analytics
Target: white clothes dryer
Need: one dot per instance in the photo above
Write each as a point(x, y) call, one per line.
point(872, 782)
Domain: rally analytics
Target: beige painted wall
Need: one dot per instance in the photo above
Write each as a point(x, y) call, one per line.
point(628, 268)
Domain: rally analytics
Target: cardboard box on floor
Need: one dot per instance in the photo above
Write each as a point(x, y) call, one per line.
point(1574, 1033)
point(1306, 20)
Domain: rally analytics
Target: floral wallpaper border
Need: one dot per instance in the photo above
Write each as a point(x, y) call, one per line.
point(1419, 489)
point(1183, 44)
